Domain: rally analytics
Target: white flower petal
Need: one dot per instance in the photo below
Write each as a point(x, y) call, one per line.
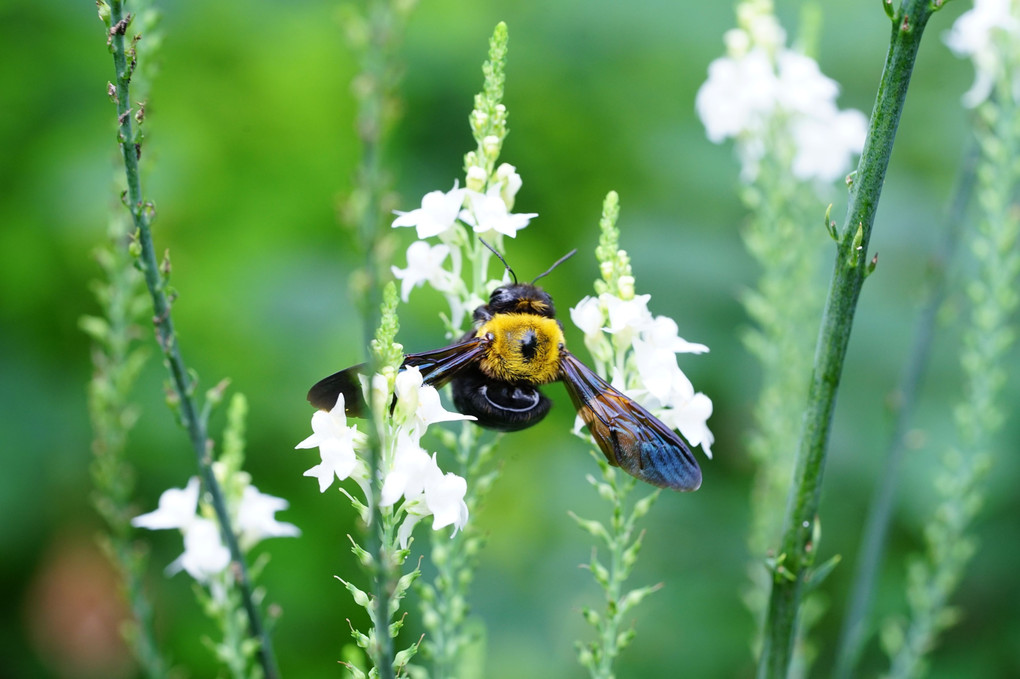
point(407, 476)
point(424, 265)
point(738, 95)
point(437, 213)
point(488, 212)
point(662, 332)
point(444, 496)
point(431, 410)
point(256, 517)
point(587, 315)
point(335, 441)
point(509, 183)
point(627, 318)
point(204, 553)
point(177, 508)
point(690, 417)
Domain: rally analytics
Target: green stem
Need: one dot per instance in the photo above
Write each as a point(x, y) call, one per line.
point(620, 530)
point(873, 538)
point(183, 385)
point(796, 552)
point(378, 76)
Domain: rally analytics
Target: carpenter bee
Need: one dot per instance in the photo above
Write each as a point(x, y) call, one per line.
point(516, 344)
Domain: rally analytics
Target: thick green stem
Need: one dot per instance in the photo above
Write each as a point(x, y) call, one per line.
point(183, 384)
point(796, 553)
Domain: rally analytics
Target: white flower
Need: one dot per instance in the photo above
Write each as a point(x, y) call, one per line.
point(766, 96)
point(420, 403)
point(488, 212)
point(204, 553)
point(437, 213)
point(988, 34)
point(690, 417)
point(417, 478)
point(662, 332)
point(476, 178)
point(406, 387)
point(463, 306)
point(627, 318)
point(659, 372)
point(177, 508)
point(671, 395)
point(509, 183)
point(444, 496)
point(587, 315)
point(411, 466)
point(826, 146)
point(738, 95)
point(424, 265)
point(335, 441)
point(737, 42)
point(764, 29)
point(256, 517)
point(430, 409)
point(802, 87)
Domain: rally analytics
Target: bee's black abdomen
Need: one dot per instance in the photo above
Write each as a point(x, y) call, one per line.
point(498, 405)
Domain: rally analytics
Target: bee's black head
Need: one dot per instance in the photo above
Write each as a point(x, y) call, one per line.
point(521, 298)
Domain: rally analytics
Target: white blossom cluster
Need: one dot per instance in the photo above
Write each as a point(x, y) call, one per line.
point(989, 34)
point(408, 472)
point(455, 218)
point(205, 556)
point(764, 94)
point(613, 326)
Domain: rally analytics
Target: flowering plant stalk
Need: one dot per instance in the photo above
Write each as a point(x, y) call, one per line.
point(205, 557)
point(988, 34)
point(794, 560)
point(638, 352)
point(183, 384)
point(405, 487)
point(117, 360)
point(457, 266)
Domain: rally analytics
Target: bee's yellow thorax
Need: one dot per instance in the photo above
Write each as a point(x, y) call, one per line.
point(525, 348)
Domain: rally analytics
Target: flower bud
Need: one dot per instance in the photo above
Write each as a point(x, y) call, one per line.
point(476, 178)
point(510, 183)
point(737, 41)
point(626, 287)
point(380, 392)
point(491, 145)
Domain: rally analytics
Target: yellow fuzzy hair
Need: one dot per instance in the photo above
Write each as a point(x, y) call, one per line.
point(505, 359)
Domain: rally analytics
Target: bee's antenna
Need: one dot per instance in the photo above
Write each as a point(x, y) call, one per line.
point(512, 274)
point(555, 264)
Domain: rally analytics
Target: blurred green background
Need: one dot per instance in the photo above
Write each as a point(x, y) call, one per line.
point(250, 126)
